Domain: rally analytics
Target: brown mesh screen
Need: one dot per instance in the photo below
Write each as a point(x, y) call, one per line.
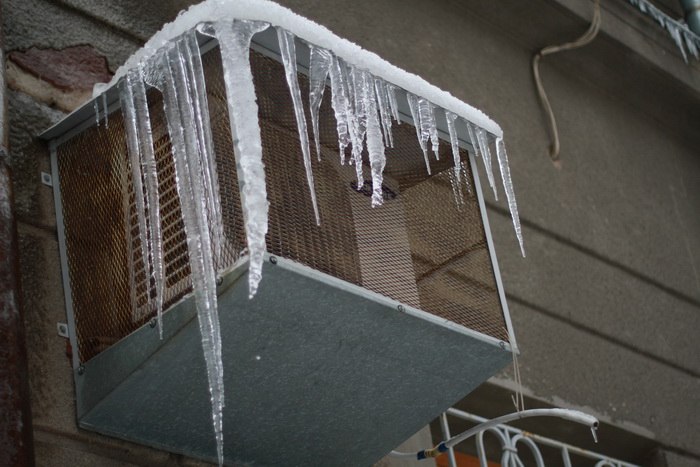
point(419, 248)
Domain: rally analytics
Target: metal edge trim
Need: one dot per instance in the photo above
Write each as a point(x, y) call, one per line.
point(63, 255)
point(492, 253)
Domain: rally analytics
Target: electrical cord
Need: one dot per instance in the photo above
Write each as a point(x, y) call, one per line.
point(586, 38)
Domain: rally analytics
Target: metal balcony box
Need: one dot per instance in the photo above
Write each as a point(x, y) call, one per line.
point(364, 328)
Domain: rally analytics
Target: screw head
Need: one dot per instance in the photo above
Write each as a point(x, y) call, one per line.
point(219, 280)
point(502, 345)
point(273, 259)
point(401, 308)
point(152, 323)
point(81, 370)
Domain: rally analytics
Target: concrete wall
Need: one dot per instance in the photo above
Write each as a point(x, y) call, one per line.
point(607, 303)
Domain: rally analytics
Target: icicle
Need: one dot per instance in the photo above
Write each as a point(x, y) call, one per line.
point(356, 89)
point(457, 192)
point(143, 165)
point(132, 140)
point(189, 49)
point(457, 158)
point(289, 57)
point(391, 91)
point(434, 137)
point(375, 144)
point(359, 90)
point(691, 45)
point(96, 106)
point(413, 105)
point(424, 120)
point(361, 110)
point(340, 106)
point(234, 42)
point(179, 110)
point(472, 138)
point(320, 62)
point(483, 139)
point(675, 33)
point(150, 172)
point(479, 140)
point(508, 188)
point(350, 94)
point(106, 109)
point(428, 128)
point(385, 113)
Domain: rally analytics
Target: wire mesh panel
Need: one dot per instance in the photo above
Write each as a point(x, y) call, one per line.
point(421, 247)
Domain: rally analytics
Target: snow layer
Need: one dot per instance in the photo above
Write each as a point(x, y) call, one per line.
point(277, 15)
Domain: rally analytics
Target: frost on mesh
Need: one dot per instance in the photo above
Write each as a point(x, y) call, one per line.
point(365, 94)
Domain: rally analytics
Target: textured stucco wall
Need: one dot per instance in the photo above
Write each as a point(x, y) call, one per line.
point(607, 304)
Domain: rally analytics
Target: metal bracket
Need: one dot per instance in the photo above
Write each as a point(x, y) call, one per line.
point(46, 179)
point(62, 329)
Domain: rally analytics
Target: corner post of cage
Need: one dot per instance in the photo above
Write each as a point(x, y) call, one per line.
point(492, 253)
point(63, 256)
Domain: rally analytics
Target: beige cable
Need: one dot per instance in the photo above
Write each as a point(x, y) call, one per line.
point(586, 38)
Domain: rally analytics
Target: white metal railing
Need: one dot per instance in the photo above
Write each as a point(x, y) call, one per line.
point(509, 438)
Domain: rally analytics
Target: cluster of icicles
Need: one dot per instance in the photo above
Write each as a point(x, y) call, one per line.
point(685, 39)
point(364, 106)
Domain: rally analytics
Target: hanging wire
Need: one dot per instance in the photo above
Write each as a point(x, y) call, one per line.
point(586, 38)
point(518, 398)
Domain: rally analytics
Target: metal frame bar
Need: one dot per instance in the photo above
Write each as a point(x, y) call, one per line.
point(492, 252)
point(63, 255)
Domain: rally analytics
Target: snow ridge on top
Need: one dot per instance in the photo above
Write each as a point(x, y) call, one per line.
point(277, 15)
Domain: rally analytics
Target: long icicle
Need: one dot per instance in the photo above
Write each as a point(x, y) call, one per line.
point(508, 188)
point(415, 113)
point(451, 117)
point(105, 107)
point(357, 90)
point(428, 128)
point(375, 144)
point(203, 173)
point(340, 107)
point(355, 126)
point(234, 42)
point(391, 92)
point(150, 176)
point(191, 54)
point(359, 119)
point(319, 66)
point(195, 154)
point(289, 58)
point(384, 111)
point(185, 146)
point(483, 139)
point(126, 97)
point(471, 130)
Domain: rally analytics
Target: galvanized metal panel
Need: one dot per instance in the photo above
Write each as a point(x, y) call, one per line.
point(317, 371)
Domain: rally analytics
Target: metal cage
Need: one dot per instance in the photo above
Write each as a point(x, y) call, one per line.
point(422, 252)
